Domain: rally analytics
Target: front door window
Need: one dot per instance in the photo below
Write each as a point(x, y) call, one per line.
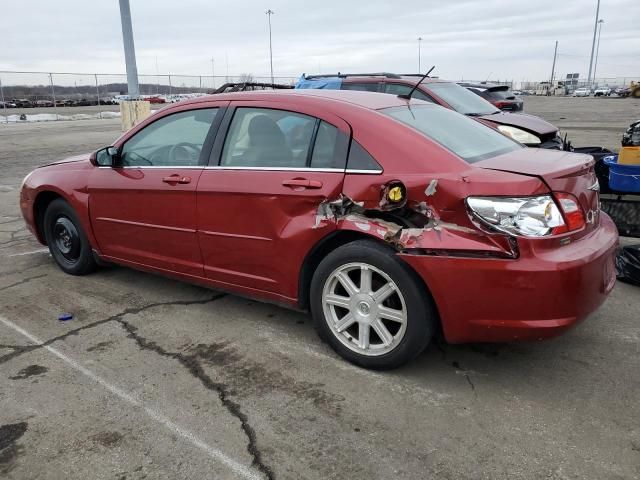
point(173, 141)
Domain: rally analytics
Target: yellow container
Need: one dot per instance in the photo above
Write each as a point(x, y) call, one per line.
point(629, 156)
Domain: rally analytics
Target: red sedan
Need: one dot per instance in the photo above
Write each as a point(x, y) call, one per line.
point(388, 219)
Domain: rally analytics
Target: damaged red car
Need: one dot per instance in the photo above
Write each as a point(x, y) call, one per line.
point(389, 219)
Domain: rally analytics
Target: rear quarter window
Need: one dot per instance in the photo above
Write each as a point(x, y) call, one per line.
point(361, 160)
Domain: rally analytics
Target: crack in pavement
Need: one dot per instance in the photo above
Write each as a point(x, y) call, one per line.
point(23, 281)
point(455, 364)
point(190, 362)
point(14, 235)
point(6, 273)
point(473, 387)
point(75, 331)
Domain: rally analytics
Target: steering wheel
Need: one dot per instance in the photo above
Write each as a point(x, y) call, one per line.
point(182, 154)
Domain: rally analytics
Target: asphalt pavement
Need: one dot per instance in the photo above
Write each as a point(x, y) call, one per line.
point(154, 378)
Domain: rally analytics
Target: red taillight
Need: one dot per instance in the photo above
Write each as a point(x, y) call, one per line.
point(501, 104)
point(571, 211)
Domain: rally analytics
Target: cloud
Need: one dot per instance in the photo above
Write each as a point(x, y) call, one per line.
point(464, 39)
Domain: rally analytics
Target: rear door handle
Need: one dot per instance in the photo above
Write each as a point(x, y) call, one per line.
point(176, 179)
point(302, 182)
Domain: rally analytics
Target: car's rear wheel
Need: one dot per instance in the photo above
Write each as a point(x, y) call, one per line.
point(370, 306)
point(67, 242)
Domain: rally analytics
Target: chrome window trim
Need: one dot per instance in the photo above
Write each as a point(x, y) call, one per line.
point(268, 169)
point(294, 169)
point(191, 167)
point(364, 172)
point(275, 169)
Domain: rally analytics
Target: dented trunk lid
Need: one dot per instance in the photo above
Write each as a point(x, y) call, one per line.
point(561, 171)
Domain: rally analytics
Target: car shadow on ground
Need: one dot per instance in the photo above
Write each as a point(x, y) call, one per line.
point(511, 367)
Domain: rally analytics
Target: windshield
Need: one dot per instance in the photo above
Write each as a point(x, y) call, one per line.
point(461, 99)
point(467, 138)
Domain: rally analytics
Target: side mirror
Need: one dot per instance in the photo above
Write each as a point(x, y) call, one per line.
point(107, 157)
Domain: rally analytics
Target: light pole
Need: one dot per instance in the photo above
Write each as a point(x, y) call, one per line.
point(595, 66)
point(553, 69)
point(157, 77)
point(129, 50)
point(213, 73)
point(419, 55)
point(269, 13)
point(593, 44)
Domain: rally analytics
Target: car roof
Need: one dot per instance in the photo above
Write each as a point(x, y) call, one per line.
point(369, 100)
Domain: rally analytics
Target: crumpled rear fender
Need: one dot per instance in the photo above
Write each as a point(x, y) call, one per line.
point(432, 217)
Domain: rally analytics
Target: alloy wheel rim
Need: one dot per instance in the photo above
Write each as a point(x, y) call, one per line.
point(66, 239)
point(364, 309)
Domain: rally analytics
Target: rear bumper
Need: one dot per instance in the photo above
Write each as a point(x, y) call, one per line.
point(537, 296)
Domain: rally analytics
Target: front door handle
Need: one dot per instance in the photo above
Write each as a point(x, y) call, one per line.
point(302, 183)
point(176, 179)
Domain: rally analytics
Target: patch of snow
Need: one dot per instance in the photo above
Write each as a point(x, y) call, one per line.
point(50, 117)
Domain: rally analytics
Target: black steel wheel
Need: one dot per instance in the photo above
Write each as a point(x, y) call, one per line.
point(68, 244)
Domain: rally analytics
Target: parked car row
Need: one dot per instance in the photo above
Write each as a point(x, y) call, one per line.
point(59, 102)
point(598, 92)
point(159, 99)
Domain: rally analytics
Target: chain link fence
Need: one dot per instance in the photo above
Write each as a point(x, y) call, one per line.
point(40, 96)
point(573, 84)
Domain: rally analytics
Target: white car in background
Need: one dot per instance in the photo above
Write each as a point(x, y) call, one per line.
point(581, 92)
point(602, 92)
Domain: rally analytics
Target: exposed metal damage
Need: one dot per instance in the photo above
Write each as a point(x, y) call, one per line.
point(398, 222)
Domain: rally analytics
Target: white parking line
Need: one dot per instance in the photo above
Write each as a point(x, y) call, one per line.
point(42, 250)
point(213, 452)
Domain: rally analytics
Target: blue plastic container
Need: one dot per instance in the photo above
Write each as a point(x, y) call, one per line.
point(624, 178)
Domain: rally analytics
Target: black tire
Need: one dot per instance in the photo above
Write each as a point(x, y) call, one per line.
point(421, 315)
point(72, 253)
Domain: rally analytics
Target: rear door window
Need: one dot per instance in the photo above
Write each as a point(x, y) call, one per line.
point(325, 153)
point(280, 139)
point(262, 137)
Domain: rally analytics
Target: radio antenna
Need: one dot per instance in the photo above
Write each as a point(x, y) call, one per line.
point(408, 95)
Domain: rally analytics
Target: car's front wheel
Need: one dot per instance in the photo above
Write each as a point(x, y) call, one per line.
point(370, 306)
point(66, 239)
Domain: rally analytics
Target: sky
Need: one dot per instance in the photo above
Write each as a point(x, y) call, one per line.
point(475, 40)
